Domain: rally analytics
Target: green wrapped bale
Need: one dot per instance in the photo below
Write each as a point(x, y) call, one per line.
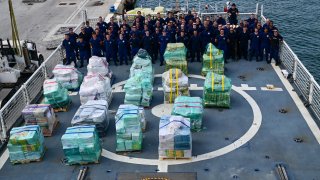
point(26, 144)
point(81, 144)
point(176, 57)
point(212, 60)
point(130, 122)
point(55, 94)
point(189, 107)
point(217, 90)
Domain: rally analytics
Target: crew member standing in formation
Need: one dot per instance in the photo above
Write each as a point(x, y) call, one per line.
point(122, 41)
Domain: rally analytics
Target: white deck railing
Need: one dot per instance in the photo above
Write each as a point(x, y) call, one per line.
point(11, 111)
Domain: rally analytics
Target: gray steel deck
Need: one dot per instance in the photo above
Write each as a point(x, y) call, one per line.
point(273, 143)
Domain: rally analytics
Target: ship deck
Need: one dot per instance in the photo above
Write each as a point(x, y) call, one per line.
point(245, 141)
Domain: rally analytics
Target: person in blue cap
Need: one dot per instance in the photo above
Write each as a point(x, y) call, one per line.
point(275, 41)
point(195, 46)
point(222, 42)
point(70, 48)
point(265, 44)
point(111, 49)
point(233, 14)
point(122, 50)
point(255, 45)
point(95, 44)
point(83, 52)
point(163, 41)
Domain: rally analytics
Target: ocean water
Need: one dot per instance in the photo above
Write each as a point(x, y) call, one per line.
point(297, 20)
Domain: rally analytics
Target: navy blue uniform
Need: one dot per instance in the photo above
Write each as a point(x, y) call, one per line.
point(135, 45)
point(232, 44)
point(102, 26)
point(147, 43)
point(255, 46)
point(96, 47)
point(223, 45)
point(171, 33)
point(123, 53)
point(155, 47)
point(111, 50)
point(265, 46)
point(206, 37)
point(244, 38)
point(275, 47)
point(82, 47)
point(163, 40)
point(70, 51)
point(195, 47)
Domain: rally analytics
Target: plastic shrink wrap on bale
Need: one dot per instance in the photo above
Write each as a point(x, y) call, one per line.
point(131, 107)
point(176, 57)
point(138, 90)
point(212, 60)
point(94, 112)
point(128, 129)
point(189, 107)
point(142, 63)
point(40, 114)
point(95, 87)
point(81, 144)
point(174, 83)
point(55, 94)
point(68, 76)
point(99, 65)
point(175, 137)
point(217, 89)
point(26, 144)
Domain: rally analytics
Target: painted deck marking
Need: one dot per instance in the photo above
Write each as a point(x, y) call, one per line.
point(163, 164)
point(246, 87)
point(303, 110)
point(274, 89)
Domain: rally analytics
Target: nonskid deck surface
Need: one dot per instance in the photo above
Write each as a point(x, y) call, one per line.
point(229, 154)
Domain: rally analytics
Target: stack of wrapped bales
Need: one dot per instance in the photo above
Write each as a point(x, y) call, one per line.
point(142, 63)
point(42, 115)
point(26, 144)
point(212, 60)
point(217, 90)
point(99, 65)
point(81, 144)
point(55, 94)
point(176, 57)
point(94, 112)
point(174, 137)
point(174, 83)
point(95, 87)
point(191, 108)
point(68, 76)
point(128, 129)
point(139, 90)
point(140, 110)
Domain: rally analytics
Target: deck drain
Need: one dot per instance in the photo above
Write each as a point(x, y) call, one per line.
point(62, 4)
point(267, 157)
point(260, 69)
point(256, 170)
point(72, 3)
point(206, 169)
point(235, 177)
point(283, 111)
point(298, 140)
point(226, 138)
point(108, 171)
